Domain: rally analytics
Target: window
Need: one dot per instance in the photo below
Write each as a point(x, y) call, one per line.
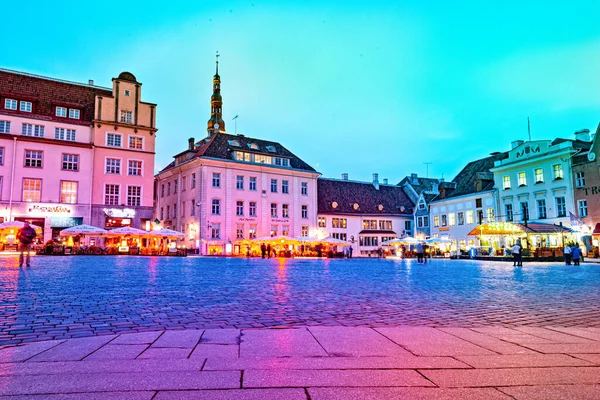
point(162, 190)
point(33, 158)
point(436, 221)
point(524, 210)
point(113, 166)
point(168, 212)
point(64, 134)
point(134, 196)
point(70, 162)
point(340, 236)
point(215, 231)
point(61, 112)
point(193, 181)
point(183, 210)
point(522, 179)
point(368, 241)
point(304, 188)
point(239, 182)
point(491, 217)
point(304, 231)
point(369, 224)
point(32, 130)
point(126, 116)
point(32, 189)
point(506, 182)
point(113, 139)
point(273, 185)
point(126, 93)
point(285, 188)
point(421, 206)
point(273, 230)
point(239, 208)
point(10, 104)
point(1, 158)
point(422, 221)
point(68, 192)
point(451, 219)
point(175, 210)
point(239, 231)
point(385, 224)
point(193, 207)
point(408, 227)
point(4, 126)
point(539, 175)
point(252, 184)
point(273, 210)
point(444, 220)
point(470, 217)
point(285, 230)
point(183, 183)
point(579, 179)
point(561, 207)
point(305, 212)
point(168, 188)
point(252, 231)
point(285, 211)
point(478, 203)
point(136, 143)
point(541, 208)
point(111, 196)
point(253, 146)
point(74, 113)
point(508, 212)
point(480, 217)
point(558, 171)
point(25, 106)
point(582, 208)
point(461, 218)
point(216, 180)
point(162, 213)
point(252, 209)
point(216, 207)
point(135, 169)
point(322, 223)
point(339, 223)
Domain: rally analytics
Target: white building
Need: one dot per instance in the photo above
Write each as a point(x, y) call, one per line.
point(363, 213)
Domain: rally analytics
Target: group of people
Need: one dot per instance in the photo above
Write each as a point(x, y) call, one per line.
point(572, 254)
point(421, 251)
point(266, 251)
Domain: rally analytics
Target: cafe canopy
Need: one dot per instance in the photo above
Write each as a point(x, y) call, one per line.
point(512, 228)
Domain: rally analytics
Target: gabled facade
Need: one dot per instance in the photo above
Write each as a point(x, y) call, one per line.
point(421, 191)
point(586, 180)
point(363, 213)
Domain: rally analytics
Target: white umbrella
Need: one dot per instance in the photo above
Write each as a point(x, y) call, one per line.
point(392, 242)
point(306, 239)
point(83, 230)
point(166, 233)
point(334, 241)
point(17, 225)
point(410, 240)
point(127, 231)
point(438, 240)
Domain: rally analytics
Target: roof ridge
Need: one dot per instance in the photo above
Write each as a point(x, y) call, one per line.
point(11, 71)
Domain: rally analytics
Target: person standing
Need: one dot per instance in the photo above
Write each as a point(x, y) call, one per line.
point(350, 250)
point(263, 249)
point(576, 254)
point(516, 252)
point(425, 249)
point(419, 250)
point(25, 235)
point(567, 253)
point(268, 250)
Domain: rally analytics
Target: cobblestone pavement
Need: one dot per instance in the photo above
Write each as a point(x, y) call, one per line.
point(69, 297)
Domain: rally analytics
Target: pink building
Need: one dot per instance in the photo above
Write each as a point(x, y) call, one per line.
point(53, 147)
point(227, 188)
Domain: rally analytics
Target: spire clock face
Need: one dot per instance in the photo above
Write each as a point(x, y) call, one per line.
point(217, 125)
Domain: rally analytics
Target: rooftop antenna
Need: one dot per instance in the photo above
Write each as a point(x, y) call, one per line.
point(427, 164)
point(235, 122)
point(528, 129)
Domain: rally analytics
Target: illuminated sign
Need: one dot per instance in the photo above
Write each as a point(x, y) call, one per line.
point(528, 150)
point(123, 249)
point(120, 213)
point(41, 209)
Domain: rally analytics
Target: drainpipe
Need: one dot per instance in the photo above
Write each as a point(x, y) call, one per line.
point(92, 184)
point(12, 178)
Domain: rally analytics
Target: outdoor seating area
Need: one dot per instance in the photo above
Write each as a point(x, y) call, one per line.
point(287, 247)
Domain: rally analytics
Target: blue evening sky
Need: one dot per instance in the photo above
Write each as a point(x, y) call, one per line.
point(349, 86)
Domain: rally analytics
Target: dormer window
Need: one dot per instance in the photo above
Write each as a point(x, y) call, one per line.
point(271, 149)
point(61, 112)
point(74, 113)
point(253, 146)
point(234, 143)
point(25, 106)
point(421, 206)
point(10, 104)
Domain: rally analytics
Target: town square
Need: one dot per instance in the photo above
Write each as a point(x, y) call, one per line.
point(300, 200)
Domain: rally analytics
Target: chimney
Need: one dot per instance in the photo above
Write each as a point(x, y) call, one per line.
point(385, 181)
point(345, 176)
point(583, 135)
point(376, 181)
point(515, 144)
point(191, 143)
point(91, 82)
point(414, 179)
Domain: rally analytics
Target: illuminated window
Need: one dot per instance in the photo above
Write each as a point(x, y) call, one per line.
point(285, 230)
point(470, 219)
point(322, 222)
point(111, 195)
point(304, 231)
point(539, 175)
point(136, 142)
point(252, 231)
point(273, 230)
point(285, 211)
point(558, 171)
point(436, 221)
point(506, 181)
point(522, 179)
point(32, 190)
point(68, 192)
point(239, 231)
point(490, 215)
point(451, 219)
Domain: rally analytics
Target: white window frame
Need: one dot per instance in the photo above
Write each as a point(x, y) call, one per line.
point(582, 206)
point(59, 111)
point(60, 191)
point(104, 194)
point(129, 137)
point(27, 103)
point(141, 195)
point(126, 116)
point(141, 168)
point(115, 134)
point(73, 112)
point(62, 161)
point(106, 165)
point(11, 104)
point(580, 179)
point(32, 130)
point(23, 189)
point(33, 166)
point(5, 126)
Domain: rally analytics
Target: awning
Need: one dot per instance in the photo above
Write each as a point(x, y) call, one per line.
point(596, 230)
point(377, 232)
point(511, 228)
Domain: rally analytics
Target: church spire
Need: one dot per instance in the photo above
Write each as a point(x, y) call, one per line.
point(216, 123)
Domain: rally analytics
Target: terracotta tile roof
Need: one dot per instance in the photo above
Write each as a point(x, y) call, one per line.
point(347, 193)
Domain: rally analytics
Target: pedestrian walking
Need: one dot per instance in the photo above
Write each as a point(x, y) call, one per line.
point(25, 235)
point(576, 254)
point(567, 253)
point(516, 252)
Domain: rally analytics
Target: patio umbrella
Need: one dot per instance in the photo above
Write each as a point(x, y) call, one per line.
point(83, 230)
point(307, 239)
point(127, 231)
point(392, 242)
point(17, 225)
point(166, 233)
point(438, 240)
point(335, 242)
point(410, 240)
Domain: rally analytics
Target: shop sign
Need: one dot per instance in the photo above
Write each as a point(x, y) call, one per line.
point(443, 228)
point(120, 213)
point(591, 190)
point(42, 209)
point(279, 220)
point(65, 222)
point(246, 219)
